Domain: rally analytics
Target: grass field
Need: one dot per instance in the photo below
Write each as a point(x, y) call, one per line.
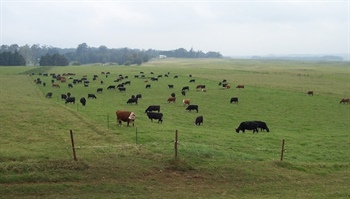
point(213, 160)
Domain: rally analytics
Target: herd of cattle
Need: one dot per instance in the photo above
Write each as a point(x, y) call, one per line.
point(153, 111)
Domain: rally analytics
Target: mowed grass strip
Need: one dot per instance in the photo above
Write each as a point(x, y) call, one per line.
point(213, 159)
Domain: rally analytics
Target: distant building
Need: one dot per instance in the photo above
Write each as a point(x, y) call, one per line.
point(162, 56)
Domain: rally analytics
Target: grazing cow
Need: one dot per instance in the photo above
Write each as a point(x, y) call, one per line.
point(63, 96)
point(70, 85)
point(240, 86)
point(101, 82)
point(127, 82)
point(192, 107)
point(228, 86)
point(248, 125)
point(199, 120)
point(49, 95)
point(310, 93)
point(153, 108)
point(154, 79)
point(170, 85)
point(200, 86)
point(186, 101)
point(99, 90)
point(262, 126)
point(111, 87)
point(185, 88)
point(44, 84)
point(172, 95)
point(70, 100)
point(183, 93)
point(192, 80)
point(122, 89)
point(83, 101)
point(132, 100)
point(171, 99)
point(156, 116)
point(125, 116)
point(92, 96)
point(234, 100)
point(136, 76)
point(176, 76)
point(56, 85)
point(345, 100)
point(148, 86)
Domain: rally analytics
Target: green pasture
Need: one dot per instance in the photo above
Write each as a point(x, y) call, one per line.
point(213, 160)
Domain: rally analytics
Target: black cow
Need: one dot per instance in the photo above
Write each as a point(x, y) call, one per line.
point(185, 88)
point(192, 80)
point(63, 96)
point(199, 120)
point(234, 100)
point(183, 93)
point(70, 85)
point(154, 79)
point(156, 116)
point(192, 107)
point(99, 90)
point(139, 96)
point(153, 108)
point(49, 95)
point(92, 96)
point(44, 84)
point(248, 125)
point(132, 100)
point(122, 89)
point(83, 101)
point(262, 126)
point(170, 85)
point(172, 95)
point(148, 86)
point(127, 82)
point(70, 100)
point(111, 87)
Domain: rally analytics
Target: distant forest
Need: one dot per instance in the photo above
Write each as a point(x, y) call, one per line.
point(36, 55)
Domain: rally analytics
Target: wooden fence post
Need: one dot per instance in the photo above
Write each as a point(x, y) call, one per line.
point(136, 135)
point(176, 143)
point(73, 148)
point(282, 150)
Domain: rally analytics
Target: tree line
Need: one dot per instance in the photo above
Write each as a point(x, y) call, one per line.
point(38, 55)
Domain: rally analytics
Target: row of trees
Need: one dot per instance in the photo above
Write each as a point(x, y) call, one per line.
point(11, 59)
point(84, 54)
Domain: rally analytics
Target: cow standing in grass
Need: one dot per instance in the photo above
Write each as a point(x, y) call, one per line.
point(125, 116)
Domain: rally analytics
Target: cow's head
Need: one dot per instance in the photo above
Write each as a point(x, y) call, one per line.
point(132, 116)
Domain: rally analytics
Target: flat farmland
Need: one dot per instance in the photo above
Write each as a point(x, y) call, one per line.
point(213, 160)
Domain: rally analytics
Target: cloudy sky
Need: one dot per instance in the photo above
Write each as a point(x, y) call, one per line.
point(231, 27)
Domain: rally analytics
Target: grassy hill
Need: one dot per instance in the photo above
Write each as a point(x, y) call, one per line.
point(213, 160)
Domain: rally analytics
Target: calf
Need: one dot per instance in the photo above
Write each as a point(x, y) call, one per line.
point(156, 116)
point(70, 100)
point(171, 99)
point(92, 96)
point(234, 100)
point(63, 96)
point(49, 95)
point(192, 107)
point(153, 108)
point(248, 125)
point(83, 101)
point(186, 101)
point(199, 120)
point(125, 116)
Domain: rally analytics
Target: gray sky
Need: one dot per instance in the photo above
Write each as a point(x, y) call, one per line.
point(233, 28)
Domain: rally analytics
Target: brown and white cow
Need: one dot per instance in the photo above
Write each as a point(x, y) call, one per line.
point(125, 116)
point(186, 102)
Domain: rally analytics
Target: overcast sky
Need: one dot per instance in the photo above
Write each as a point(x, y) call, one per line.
point(233, 28)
